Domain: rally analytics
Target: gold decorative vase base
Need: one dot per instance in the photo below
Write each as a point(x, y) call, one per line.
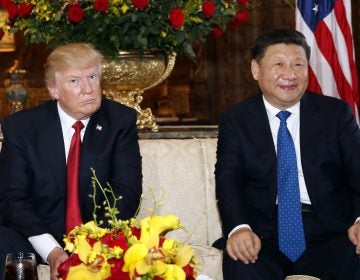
point(127, 77)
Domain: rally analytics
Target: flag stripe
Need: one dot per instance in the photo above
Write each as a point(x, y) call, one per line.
point(338, 39)
point(326, 45)
point(318, 63)
point(313, 82)
point(326, 25)
point(345, 27)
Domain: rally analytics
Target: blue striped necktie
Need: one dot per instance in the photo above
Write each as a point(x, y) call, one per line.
point(290, 225)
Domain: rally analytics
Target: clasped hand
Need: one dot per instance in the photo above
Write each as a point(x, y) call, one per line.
point(243, 245)
point(354, 236)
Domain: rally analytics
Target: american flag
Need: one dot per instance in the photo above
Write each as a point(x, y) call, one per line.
point(326, 25)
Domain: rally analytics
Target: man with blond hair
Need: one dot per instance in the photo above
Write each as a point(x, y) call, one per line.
point(35, 153)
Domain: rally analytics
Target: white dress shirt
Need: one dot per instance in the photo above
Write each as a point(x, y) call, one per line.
point(293, 125)
point(43, 244)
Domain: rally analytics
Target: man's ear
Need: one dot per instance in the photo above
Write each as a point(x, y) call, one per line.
point(54, 93)
point(255, 69)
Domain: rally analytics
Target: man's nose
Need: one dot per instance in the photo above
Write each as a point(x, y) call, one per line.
point(86, 86)
point(289, 73)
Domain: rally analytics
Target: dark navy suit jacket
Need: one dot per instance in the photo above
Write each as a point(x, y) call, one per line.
point(246, 180)
point(33, 167)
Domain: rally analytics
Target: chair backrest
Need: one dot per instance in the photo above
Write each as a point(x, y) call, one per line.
point(183, 170)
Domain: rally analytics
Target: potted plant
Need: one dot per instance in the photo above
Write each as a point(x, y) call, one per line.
point(114, 25)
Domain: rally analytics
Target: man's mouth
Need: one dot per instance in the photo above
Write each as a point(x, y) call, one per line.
point(87, 101)
point(288, 87)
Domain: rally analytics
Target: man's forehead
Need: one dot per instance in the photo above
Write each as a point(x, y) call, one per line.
point(78, 72)
point(284, 50)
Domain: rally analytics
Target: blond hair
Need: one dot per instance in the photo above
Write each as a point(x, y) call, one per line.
point(71, 56)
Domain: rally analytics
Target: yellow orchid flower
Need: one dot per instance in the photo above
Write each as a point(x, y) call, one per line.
point(160, 267)
point(169, 244)
point(174, 272)
point(82, 272)
point(94, 230)
point(146, 255)
point(184, 255)
point(133, 256)
point(156, 225)
point(143, 257)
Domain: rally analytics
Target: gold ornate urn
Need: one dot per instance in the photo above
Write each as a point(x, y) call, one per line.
point(127, 77)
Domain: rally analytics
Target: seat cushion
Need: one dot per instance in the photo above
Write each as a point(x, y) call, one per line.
point(210, 261)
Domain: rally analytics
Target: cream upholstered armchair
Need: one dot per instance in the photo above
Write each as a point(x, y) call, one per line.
point(179, 173)
point(184, 170)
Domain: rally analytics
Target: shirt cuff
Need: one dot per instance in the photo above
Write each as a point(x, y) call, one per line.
point(239, 227)
point(43, 244)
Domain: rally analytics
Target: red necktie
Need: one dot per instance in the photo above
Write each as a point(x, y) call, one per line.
point(73, 214)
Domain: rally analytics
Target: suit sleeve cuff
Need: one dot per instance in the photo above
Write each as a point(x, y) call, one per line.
point(238, 227)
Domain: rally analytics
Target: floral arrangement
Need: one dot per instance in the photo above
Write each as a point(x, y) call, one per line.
point(128, 249)
point(113, 25)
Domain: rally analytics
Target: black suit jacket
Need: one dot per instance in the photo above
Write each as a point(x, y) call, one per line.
point(33, 166)
point(246, 180)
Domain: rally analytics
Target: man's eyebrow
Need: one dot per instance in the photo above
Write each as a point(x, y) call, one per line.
point(71, 76)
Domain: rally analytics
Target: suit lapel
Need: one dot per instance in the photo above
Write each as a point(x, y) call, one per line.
point(310, 123)
point(52, 141)
point(261, 134)
point(92, 144)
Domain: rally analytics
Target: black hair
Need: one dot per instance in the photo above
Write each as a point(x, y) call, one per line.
point(278, 36)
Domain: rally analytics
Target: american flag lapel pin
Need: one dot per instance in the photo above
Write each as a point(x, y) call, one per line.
point(98, 127)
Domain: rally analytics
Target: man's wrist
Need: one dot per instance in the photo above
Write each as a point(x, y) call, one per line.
point(55, 250)
point(237, 228)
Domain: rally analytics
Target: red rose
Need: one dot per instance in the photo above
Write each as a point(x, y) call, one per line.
point(101, 5)
point(75, 13)
point(116, 270)
point(119, 239)
point(2, 33)
point(208, 8)
point(11, 9)
point(189, 271)
point(217, 32)
point(5, 3)
point(243, 2)
point(90, 240)
point(25, 9)
point(136, 232)
point(176, 17)
point(140, 4)
point(241, 17)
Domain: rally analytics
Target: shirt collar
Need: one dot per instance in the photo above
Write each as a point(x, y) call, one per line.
point(68, 121)
point(272, 111)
